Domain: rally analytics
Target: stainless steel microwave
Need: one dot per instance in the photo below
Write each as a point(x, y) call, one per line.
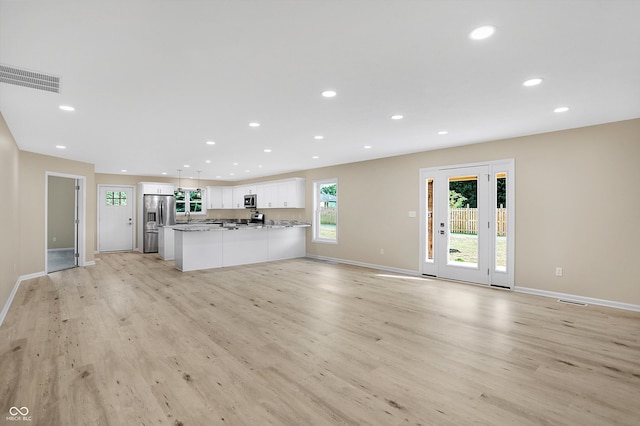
point(250, 201)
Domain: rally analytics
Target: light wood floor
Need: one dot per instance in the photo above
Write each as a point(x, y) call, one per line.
point(132, 341)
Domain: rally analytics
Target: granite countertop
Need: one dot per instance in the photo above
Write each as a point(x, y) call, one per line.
point(199, 227)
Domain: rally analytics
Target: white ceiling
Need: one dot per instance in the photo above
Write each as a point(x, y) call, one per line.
point(152, 81)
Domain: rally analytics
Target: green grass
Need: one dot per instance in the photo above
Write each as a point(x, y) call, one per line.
point(467, 249)
point(328, 231)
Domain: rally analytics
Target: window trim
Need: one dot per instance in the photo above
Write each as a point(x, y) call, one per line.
point(317, 184)
point(188, 201)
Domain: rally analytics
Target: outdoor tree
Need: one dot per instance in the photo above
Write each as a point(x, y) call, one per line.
point(328, 189)
point(456, 200)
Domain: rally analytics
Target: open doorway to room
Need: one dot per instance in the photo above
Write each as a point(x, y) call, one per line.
point(468, 222)
point(64, 210)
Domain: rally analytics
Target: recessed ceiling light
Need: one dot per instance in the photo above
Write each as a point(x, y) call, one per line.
point(254, 124)
point(231, 174)
point(329, 93)
point(67, 108)
point(61, 147)
point(397, 117)
point(163, 173)
point(532, 82)
point(247, 171)
point(218, 177)
point(211, 143)
point(367, 147)
point(318, 137)
point(561, 109)
point(260, 166)
point(267, 150)
point(442, 132)
point(235, 164)
point(483, 32)
point(187, 166)
point(315, 157)
point(123, 171)
point(207, 161)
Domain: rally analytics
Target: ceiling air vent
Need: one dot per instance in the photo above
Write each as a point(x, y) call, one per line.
point(32, 79)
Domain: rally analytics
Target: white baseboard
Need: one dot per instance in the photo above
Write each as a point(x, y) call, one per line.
point(366, 265)
point(533, 291)
point(580, 299)
point(90, 263)
point(7, 305)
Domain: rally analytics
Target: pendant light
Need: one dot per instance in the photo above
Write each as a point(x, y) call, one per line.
point(198, 190)
point(179, 191)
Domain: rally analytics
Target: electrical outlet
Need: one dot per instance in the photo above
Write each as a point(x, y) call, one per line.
point(54, 239)
point(381, 251)
point(558, 271)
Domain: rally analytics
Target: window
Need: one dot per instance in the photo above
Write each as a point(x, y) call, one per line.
point(115, 198)
point(325, 206)
point(189, 199)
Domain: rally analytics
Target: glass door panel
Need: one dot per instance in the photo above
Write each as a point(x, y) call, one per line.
point(463, 221)
point(501, 222)
point(429, 236)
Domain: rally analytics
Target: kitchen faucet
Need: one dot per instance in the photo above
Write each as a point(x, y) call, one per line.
point(188, 214)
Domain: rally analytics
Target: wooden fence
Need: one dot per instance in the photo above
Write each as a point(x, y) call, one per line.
point(465, 221)
point(328, 216)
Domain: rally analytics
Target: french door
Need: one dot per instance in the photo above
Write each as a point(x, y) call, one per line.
point(468, 223)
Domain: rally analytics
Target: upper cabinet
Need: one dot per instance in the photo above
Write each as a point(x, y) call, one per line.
point(219, 197)
point(282, 194)
point(278, 194)
point(155, 188)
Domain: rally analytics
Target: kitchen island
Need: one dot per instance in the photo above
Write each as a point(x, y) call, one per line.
point(212, 246)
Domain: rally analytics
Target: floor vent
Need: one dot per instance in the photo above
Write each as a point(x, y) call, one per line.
point(31, 79)
point(572, 302)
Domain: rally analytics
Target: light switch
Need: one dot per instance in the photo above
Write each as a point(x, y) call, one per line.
point(412, 214)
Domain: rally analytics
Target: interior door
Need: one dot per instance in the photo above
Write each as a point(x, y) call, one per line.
point(116, 231)
point(467, 224)
point(62, 223)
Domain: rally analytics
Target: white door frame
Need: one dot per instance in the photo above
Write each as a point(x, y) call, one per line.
point(496, 277)
point(133, 216)
point(81, 207)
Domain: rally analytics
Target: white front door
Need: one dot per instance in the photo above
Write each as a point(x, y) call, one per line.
point(115, 221)
point(462, 224)
point(467, 224)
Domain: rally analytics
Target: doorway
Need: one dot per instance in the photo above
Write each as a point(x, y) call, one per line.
point(467, 225)
point(64, 235)
point(115, 218)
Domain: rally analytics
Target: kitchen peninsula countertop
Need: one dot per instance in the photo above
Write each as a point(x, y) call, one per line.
point(233, 226)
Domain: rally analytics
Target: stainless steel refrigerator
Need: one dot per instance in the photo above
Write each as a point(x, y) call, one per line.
point(159, 210)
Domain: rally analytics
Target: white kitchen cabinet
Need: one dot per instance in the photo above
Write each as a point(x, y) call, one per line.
point(238, 197)
point(219, 197)
point(239, 192)
point(214, 197)
point(266, 194)
point(287, 193)
point(155, 188)
point(166, 242)
point(227, 197)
